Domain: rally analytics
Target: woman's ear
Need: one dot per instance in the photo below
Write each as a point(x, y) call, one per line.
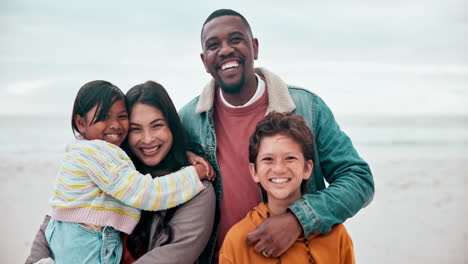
point(253, 173)
point(80, 124)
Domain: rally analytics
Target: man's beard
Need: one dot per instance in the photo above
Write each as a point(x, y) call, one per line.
point(232, 88)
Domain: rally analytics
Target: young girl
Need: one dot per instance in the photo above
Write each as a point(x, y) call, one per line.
point(98, 189)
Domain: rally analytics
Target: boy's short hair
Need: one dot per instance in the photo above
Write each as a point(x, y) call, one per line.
point(288, 124)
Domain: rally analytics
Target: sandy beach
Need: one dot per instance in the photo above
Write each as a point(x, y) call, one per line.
point(418, 214)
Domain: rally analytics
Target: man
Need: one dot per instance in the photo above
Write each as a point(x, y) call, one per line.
point(220, 121)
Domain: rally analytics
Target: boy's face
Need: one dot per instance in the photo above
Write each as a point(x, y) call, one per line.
point(280, 168)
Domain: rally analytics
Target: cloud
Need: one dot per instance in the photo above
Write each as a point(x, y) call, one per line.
point(345, 66)
point(27, 87)
point(361, 48)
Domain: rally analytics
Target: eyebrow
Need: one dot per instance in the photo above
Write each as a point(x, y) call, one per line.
point(230, 34)
point(123, 111)
point(235, 33)
point(152, 122)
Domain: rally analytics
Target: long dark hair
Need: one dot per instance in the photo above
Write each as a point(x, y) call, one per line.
point(154, 94)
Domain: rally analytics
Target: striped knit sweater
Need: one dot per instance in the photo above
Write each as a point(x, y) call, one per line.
point(98, 184)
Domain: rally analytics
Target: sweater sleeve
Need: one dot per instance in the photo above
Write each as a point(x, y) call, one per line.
point(351, 185)
point(110, 168)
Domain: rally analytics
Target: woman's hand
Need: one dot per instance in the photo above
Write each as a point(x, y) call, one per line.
point(207, 172)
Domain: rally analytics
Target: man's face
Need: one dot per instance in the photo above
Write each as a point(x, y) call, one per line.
point(229, 51)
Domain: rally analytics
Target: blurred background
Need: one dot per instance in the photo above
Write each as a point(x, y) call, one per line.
point(395, 74)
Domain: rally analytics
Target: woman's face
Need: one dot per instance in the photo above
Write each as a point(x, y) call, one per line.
point(150, 138)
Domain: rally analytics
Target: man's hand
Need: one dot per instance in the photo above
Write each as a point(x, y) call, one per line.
point(275, 235)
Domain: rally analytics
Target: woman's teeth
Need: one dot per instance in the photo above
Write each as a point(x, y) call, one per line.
point(150, 150)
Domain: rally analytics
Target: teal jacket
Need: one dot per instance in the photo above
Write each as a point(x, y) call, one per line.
point(351, 185)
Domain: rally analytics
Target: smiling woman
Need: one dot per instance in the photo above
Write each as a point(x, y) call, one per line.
point(150, 138)
point(93, 204)
point(156, 144)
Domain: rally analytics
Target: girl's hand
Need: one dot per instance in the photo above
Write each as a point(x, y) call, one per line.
point(208, 171)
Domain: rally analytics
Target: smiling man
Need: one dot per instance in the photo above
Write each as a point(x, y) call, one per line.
point(220, 121)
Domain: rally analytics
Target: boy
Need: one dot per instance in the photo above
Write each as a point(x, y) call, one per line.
point(281, 154)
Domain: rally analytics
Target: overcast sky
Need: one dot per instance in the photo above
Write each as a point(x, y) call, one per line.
point(361, 57)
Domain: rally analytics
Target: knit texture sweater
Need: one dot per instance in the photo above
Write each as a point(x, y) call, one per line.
point(334, 247)
point(98, 184)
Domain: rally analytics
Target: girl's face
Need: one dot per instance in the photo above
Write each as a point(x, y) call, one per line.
point(113, 129)
point(150, 137)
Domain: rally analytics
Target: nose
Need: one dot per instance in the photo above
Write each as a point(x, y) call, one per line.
point(279, 167)
point(147, 137)
point(226, 50)
point(115, 123)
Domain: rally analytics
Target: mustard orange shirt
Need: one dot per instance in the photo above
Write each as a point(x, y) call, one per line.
point(334, 247)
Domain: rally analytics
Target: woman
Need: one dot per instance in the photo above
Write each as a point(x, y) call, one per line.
point(176, 235)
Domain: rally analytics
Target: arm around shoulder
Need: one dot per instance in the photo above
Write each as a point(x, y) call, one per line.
point(110, 168)
point(192, 224)
point(351, 185)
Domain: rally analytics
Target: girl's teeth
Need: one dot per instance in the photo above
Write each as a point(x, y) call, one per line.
point(112, 135)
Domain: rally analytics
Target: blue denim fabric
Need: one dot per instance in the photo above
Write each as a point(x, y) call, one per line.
point(336, 162)
point(74, 243)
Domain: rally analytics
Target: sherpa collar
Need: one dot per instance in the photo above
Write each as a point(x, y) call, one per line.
point(278, 95)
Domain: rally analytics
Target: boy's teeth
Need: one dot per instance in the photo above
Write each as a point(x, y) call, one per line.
point(150, 150)
point(279, 180)
point(230, 64)
point(112, 135)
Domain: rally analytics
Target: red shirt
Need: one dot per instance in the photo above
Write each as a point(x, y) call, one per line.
point(234, 126)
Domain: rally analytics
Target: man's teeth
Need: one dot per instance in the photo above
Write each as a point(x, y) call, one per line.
point(229, 65)
point(150, 150)
point(112, 135)
point(279, 180)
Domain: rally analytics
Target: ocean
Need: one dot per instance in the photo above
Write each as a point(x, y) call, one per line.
point(415, 134)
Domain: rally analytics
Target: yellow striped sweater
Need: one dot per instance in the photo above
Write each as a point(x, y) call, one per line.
point(98, 184)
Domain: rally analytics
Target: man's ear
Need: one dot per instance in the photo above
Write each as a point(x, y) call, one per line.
point(253, 173)
point(202, 56)
point(80, 123)
point(309, 166)
point(255, 47)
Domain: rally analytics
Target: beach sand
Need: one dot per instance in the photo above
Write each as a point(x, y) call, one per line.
point(418, 214)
